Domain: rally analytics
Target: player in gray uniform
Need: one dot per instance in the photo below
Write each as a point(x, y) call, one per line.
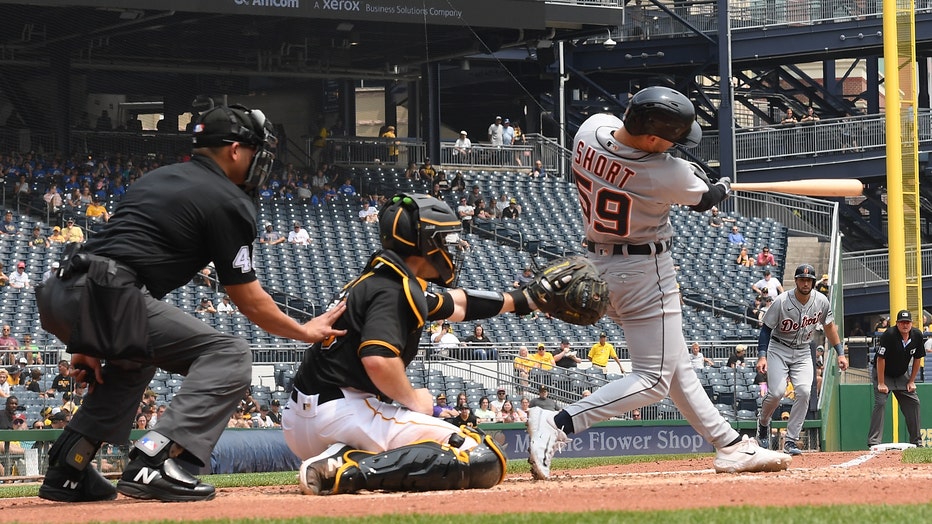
point(627, 183)
point(783, 352)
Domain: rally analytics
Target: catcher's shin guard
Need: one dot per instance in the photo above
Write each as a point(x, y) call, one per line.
point(69, 477)
point(423, 466)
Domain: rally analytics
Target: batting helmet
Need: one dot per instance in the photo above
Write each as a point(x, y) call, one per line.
point(421, 225)
point(663, 112)
point(805, 271)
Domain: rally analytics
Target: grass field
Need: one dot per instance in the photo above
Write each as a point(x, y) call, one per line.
point(846, 514)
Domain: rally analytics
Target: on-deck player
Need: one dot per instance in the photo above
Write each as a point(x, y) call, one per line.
point(627, 183)
point(783, 352)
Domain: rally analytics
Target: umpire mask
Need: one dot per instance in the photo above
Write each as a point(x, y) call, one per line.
point(223, 125)
point(421, 225)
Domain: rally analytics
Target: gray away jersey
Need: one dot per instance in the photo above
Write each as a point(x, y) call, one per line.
point(793, 323)
point(626, 193)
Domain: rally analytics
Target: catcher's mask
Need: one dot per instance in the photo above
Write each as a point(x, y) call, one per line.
point(223, 125)
point(421, 225)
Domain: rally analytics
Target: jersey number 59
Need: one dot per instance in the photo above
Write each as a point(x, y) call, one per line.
point(606, 209)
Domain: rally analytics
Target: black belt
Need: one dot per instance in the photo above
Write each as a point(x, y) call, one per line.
point(788, 344)
point(323, 397)
point(634, 249)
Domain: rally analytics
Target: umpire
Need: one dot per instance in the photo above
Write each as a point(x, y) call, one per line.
point(892, 373)
point(171, 223)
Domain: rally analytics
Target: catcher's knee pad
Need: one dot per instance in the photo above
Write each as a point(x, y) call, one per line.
point(423, 466)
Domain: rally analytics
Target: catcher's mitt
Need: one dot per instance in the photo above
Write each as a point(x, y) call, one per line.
point(570, 289)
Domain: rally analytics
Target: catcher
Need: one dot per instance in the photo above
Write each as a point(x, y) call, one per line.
point(341, 419)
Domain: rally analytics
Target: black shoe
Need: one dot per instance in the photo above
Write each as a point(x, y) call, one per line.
point(167, 482)
point(66, 484)
point(763, 435)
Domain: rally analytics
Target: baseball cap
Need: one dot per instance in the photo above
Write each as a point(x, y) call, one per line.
point(276, 402)
point(740, 347)
point(59, 417)
point(507, 121)
point(564, 341)
point(441, 396)
point(498, 118)
point(514, 200)
point(500, 390)
point(55, 265)
point(824, 275)
point(785, 415)
point(541, 345)
point(70, 221)
point(21, 264)
point(463, 132)
point(19, 416)
point(904, 316)
point(602, 334)
point(22, 360)
point(56, 228)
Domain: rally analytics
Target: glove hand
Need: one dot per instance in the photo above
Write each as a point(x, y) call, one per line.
point(570, 289)
point(726, 182)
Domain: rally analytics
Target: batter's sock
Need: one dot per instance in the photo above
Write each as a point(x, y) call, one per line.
point(733, 442)
point(564, 422)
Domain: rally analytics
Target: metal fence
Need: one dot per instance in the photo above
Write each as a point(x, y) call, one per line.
point(872, 268)
point(801, 215)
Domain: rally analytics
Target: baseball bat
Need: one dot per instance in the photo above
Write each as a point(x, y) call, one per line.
point(827, 187)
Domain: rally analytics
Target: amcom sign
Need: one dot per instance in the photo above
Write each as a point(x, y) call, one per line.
point(291, 4)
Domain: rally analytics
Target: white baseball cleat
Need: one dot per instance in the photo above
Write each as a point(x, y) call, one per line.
point(748, 456)
point(317, 474)
point(545, 440)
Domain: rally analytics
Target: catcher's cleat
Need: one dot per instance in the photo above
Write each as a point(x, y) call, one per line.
point(65, 484)
point(167, 482)
point(318, 474)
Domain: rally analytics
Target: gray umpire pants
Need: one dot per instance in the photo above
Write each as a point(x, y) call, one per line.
point(909, 406)
point(218, 369)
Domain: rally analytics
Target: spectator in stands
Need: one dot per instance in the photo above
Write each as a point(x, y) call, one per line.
point(464, 417)
point(566, 358)
point(275, 412)
point(743, 258)
point(368, 214)
point(205, 306)
point(789, 119)
point(483, 349)
point(37, 240)
point(262, 419)
point(97, 212)
point(542, 358)
point(636, 414)
point(447, 344)
point(271, 237)
point(20, 279)
point(766, 302)
point(765, 257)
point(523, 278)
point(538, 171)
point(56, 237)
point(226, 306)
point(8, 224)
point(389, 136)
point(141, 422)
point(9, 412)
point(462, 148)
point(523, 365)
point(59, 420)
point(482, 214)
point(347, 190)
point(458, 183)
point(822, 286)
point(86, 197)
point(103, 122)
point(508, 133)
point(67, 402)
point(474, 196)
point(601, 351)
point(21, 188)
point(4, 279)
point(736, 360)
point(500, 205)
point(412, 172)
point(34, 381)
point(769, 283)
point(72, 233)
point(697, 359)
point(62, 381)
point(882, 325)
point(735, 237)
point(16, 372)
point(752, 311)
point(427, 171)
point(238, 419)
point(513, 211)
point(53, 199)
point(318, 181)
point(543, 401)
point(500, 397)
point(496, 131)
point(715, 220)
point(461, 400)
point(299, 236)
point(810, 116)
point(484, 412)
point(465, 212)
point(4, 383)
point(509, 414)
point(441, 409)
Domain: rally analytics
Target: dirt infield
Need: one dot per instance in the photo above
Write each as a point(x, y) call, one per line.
point(813, 479)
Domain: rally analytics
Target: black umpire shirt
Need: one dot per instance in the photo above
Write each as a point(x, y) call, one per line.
point(896, 354)
point(386, 309)
point(175, 220)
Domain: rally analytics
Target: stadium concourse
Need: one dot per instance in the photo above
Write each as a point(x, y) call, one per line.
point(303, 278)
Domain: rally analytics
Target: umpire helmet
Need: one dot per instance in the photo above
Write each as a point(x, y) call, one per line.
point(224, 125)
point(663, 112)
point(805, 271)
point(421, 225)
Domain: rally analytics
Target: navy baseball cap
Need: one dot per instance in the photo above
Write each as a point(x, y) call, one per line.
point(904, 316)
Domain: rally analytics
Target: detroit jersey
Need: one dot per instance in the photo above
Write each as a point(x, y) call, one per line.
point(793, 323)
point(625, 193)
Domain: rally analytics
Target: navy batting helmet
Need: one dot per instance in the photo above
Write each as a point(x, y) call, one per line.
point(805, 271)
point(663, 112)
point(412, 224)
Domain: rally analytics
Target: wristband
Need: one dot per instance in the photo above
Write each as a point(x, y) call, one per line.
point(840, 349)
point(523, 303)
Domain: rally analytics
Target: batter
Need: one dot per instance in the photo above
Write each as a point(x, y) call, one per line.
point(627, 183)
point(783, 352)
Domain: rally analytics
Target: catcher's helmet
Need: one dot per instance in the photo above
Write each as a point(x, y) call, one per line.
point(805, 271)
point(663, 112)
point(412, 224)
